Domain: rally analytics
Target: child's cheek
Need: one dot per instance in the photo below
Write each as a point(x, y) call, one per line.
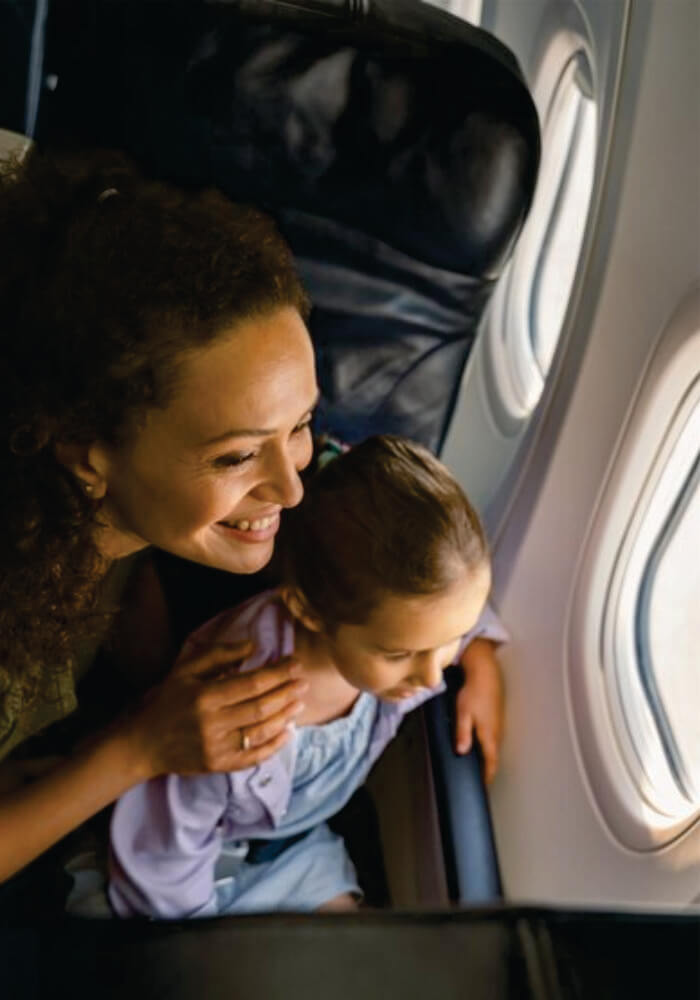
point(450, 654)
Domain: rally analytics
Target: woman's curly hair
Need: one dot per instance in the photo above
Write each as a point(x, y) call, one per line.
point(107, 279)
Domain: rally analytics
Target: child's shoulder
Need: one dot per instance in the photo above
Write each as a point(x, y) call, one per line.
point(263, 618)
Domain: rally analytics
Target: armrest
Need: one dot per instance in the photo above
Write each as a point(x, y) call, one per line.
point(469, 848)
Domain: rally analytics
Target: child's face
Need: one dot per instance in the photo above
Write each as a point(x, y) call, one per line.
point(408, 641)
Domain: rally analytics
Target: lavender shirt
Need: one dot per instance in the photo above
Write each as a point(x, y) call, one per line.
point(167, 833)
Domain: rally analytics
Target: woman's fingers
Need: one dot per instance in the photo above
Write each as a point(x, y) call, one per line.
point(236, 759)
point(258, 733)
point(192, 721)
point(263, 691)
point(202, 659)
point(252, 714)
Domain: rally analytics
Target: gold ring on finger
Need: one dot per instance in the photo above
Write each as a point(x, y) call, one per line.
point(245, 740)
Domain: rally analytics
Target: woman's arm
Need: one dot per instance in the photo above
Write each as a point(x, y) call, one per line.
point(36, 815)
point(191, 723)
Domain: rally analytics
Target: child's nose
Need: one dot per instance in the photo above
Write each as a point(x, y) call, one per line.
point(430, 669)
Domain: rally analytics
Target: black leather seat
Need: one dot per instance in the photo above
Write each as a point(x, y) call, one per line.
point(513, 953)
point(396, 145)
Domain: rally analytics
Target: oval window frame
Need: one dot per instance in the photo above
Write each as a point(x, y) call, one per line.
point(517, 376)
point(621, 787)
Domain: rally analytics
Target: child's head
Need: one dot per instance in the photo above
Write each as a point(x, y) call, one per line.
point(386, 560)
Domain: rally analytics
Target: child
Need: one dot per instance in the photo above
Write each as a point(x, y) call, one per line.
point(386, 573)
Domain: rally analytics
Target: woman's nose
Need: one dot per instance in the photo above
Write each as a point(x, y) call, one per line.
point(282, 483)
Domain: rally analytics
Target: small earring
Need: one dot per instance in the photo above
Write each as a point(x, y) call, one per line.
point(88, 488)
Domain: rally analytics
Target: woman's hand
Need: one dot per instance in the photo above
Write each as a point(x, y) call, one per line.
point(207, 717)
point(189, 723)
point(480, 703)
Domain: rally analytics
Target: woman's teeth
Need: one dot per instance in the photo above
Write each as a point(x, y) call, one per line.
point(258, 525)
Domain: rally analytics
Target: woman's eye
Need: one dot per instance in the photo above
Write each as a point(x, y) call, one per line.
point(240, 458)
point(226, 461)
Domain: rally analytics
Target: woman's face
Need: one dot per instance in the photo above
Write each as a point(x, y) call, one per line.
point(207, 476)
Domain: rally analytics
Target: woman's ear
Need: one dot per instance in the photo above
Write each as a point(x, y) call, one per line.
point(299, 609)
point(86, 464)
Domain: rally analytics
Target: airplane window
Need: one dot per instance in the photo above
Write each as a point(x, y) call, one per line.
point(529, 306)
point(668, 630)
point(657, 630)
point(468, 10)
point(634, 630)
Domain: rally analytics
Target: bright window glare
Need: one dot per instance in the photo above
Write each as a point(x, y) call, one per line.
point(669, 621)
point(575, 137)
point(529, 307)
point(652, 626)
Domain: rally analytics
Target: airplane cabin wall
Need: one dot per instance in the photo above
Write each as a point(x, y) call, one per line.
point(640, 259)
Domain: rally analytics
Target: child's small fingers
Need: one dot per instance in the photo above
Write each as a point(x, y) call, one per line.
point(465, 727)
point(490, 751)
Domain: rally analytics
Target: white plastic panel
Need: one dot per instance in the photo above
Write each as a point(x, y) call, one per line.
point(573, 71)
point(571, 824)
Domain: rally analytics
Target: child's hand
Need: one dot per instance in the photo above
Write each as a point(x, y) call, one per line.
point(480, 703)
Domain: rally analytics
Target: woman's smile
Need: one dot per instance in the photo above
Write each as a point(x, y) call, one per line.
point(252, 529)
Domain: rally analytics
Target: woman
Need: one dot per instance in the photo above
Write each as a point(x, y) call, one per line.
point(157, 389)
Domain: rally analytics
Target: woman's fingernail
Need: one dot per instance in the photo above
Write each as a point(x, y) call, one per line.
point(298, 708)
point(300, 687)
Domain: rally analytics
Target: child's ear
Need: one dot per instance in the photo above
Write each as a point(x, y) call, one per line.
point(299, 609)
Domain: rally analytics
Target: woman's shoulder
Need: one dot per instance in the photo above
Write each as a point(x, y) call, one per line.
point(21, 718)
point(43, 696)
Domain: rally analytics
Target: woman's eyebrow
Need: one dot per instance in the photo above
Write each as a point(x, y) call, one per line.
point(242, 432)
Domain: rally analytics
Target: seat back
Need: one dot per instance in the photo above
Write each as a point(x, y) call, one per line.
point(396, 146)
